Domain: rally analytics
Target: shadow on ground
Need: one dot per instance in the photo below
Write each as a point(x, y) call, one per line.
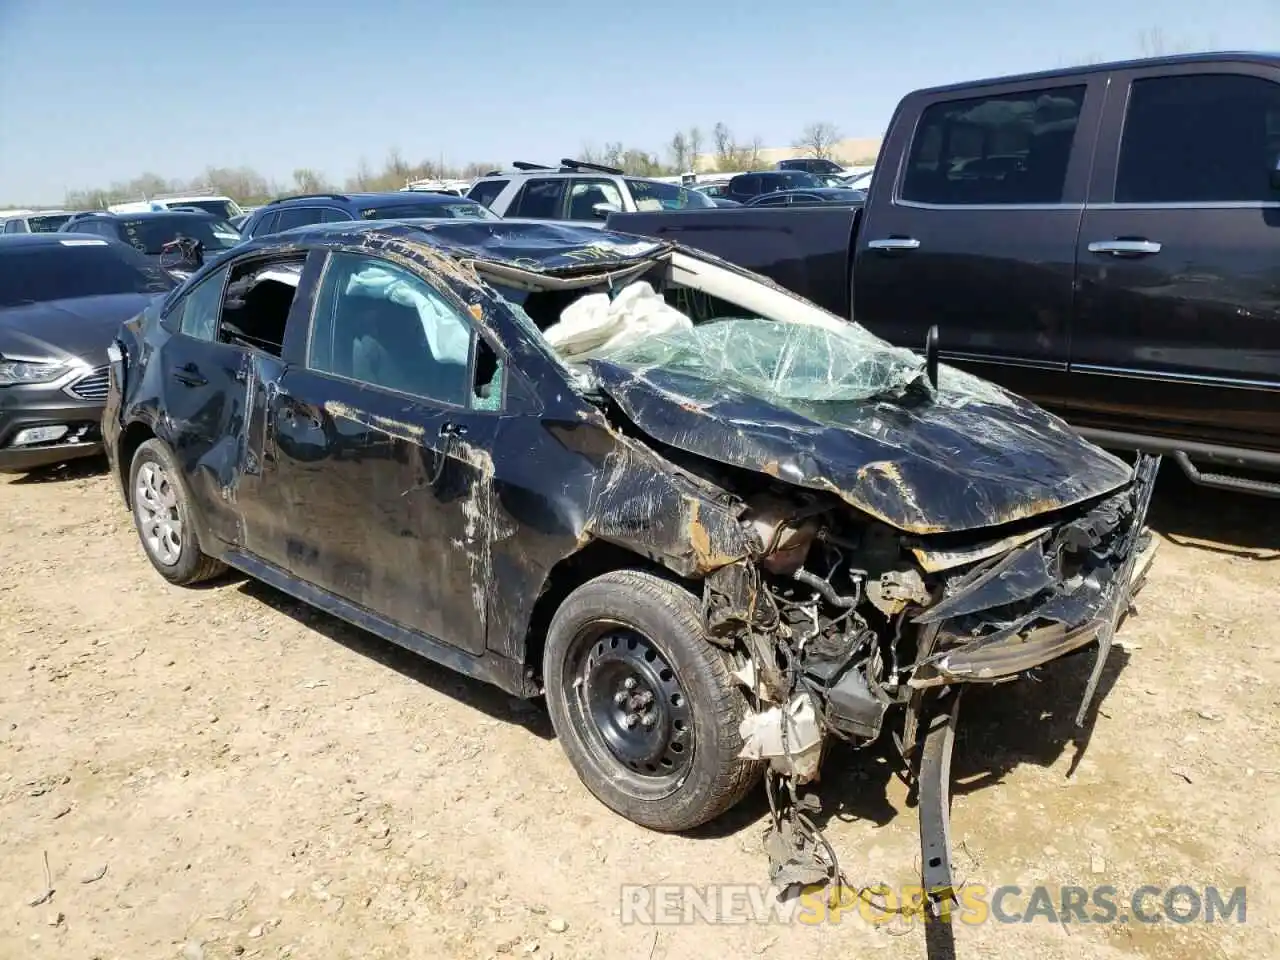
point(529, 714)
point(81, 469)
point(1238, 524)
point(1001, 727)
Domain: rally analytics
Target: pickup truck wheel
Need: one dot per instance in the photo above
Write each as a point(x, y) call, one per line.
point(643, 703)
point(162, 516)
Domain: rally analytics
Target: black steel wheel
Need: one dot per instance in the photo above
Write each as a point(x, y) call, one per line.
point(644, 704)
point(632, 701)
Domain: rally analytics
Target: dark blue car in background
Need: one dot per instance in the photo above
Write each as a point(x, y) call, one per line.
point(306, 209)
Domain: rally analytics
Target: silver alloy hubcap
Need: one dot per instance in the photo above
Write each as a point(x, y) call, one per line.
point(156, 505)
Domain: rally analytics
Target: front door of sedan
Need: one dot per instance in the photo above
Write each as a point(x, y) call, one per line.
point(382, 443)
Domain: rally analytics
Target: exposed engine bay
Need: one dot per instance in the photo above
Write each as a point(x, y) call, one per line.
point(843, 622)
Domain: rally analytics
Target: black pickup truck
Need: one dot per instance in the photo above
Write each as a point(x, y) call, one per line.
point(1104, 240)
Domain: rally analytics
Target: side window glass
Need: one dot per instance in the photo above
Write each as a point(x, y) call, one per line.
point(540, 199)
point(585, 194)
point(333, 215)
point(1012, 148)
point(379, 324)
point(259, 298)
point(291, 217)
point(266, 225)
point(197, 314)
point(487, 191)
point(1199, 138)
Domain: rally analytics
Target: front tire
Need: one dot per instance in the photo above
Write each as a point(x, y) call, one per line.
point(162, 517)
point(644, 704)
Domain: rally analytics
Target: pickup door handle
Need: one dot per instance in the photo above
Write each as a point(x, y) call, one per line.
point(1125, 248)
point(895, 243)
point(189, 374)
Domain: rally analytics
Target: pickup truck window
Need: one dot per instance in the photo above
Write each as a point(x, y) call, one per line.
point(1006, 149)
point(1200, 138)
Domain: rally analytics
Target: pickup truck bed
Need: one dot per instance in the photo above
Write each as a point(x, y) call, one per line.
point(805, 249)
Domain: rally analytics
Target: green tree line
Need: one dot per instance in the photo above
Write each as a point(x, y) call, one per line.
point(714, 149)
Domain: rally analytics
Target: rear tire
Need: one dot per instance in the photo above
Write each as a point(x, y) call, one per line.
point(163, 518)
point(644, 704)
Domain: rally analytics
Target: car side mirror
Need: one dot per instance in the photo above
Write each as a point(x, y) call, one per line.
point(601, 211)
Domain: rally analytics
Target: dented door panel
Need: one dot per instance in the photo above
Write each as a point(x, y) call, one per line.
point(204, 394)
point(257, 490)
point(387, 502)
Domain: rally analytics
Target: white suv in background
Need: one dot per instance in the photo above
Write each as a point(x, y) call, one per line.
point(577, 190)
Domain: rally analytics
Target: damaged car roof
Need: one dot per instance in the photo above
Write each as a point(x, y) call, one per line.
point(528, 245)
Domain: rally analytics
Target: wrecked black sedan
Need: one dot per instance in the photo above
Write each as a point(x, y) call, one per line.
point(716, 525)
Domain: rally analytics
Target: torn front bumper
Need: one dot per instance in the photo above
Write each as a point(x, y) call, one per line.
point(1056, 594)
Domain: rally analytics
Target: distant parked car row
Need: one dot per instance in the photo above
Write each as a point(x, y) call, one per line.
point(577, 190)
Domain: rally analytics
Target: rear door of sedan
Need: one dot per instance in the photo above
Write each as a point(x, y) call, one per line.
point(228, 345)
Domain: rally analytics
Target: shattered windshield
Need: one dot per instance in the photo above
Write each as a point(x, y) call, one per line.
point(731, 330)
point(787, 361)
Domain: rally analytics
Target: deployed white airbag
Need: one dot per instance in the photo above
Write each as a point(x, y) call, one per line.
point(597, 324)
point(448, 337)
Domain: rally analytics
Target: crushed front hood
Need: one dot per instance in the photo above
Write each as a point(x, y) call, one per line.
point(940, 465)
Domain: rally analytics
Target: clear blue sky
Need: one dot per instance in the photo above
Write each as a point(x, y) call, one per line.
point(98, 90)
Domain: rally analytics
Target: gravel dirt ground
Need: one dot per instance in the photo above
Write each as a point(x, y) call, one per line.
point(224, 772)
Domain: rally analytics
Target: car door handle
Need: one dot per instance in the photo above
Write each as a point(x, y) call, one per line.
point(895, 243)
point(1125, 248)
point(189, 374)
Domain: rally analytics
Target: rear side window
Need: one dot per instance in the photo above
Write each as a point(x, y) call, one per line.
point(486, 191)
point(1200, 138)
point(540, 199)
point(197, 314)
point(747, 185)
point(265, 225)
point(1008, 149)
point(291, 217)
point(656, 195)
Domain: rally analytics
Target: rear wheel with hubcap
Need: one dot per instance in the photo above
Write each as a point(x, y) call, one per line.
point(162, 516)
